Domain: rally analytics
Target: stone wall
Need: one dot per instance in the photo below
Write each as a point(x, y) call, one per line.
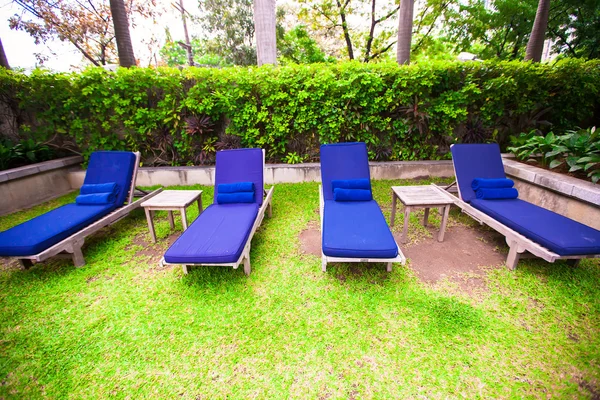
point(28, 186)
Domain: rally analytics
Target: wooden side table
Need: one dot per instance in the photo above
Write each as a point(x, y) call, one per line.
point(171, 200)
point(421, 197)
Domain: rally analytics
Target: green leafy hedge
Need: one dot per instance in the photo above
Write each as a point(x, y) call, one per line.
point(403, 112)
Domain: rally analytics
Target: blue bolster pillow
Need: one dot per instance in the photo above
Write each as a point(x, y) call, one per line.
point(110, 187)
point(496, 194)
point(498, 183)
point(352, 195)
point(351, 184)
point(239, 197)
point(235, 187)
point(96, 198)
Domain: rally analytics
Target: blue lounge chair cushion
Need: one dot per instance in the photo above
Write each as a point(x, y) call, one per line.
point(240, 165)
point(39, 233)
point(475, 161)
point(356, 230)
point(218, 235)
point(555, 232)
point(351, 184)
point(352, 195)
point(112, 167)
point(232, 198)
point(482, 183)
point(110, 187)
point(236, 187)
point(96, 198)
point(343, 162)
point(496, 193)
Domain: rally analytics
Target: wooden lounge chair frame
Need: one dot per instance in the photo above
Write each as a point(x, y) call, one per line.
point(327, 259)
point(519, 245)
point(244, 257)
point(71, 247)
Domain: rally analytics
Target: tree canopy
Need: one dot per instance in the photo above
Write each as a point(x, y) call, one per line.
point(87, 25)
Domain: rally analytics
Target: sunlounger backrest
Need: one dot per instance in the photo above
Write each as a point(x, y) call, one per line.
point(343, 161)
point(241, 165)
point(112, 166)
point(475, 161)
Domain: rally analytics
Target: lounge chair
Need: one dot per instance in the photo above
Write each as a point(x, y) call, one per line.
point(62, 231)
point(353, 228)
point(528, 228)
point(222, 234)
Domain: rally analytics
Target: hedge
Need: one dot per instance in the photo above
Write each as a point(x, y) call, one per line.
point(181, 117)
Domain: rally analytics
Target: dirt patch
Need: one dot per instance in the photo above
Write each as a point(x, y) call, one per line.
point(589, 387)
point(310, 239)
point(459, 257)
point(9, 264)
point(154, 251)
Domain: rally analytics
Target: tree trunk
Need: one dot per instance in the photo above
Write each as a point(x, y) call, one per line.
point(124, 47)
point(342, 9)
point(264, 26)
point(535, 46)
point(405, 22)
point(188, 44)
point(3, 59)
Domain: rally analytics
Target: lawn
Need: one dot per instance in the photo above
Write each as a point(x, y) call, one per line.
point(125, 327)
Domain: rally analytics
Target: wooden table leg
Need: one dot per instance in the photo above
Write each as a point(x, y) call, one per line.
point(405, 229)
point(426, 217)
point(149, 215)
point(184, 218)
point(444, 223)
point(393, 217)
point(171, 222)
point(200, 204)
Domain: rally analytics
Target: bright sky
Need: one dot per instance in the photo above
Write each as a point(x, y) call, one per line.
point(20, 47)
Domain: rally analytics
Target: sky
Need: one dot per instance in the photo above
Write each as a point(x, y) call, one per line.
point(20, 47)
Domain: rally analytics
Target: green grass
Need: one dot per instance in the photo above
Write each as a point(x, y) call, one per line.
point(123, 327)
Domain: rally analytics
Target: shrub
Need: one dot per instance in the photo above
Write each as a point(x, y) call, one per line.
point(402, 112)
point(23, 153)
point(578, 150)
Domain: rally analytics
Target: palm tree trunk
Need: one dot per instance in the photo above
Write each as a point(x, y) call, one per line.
point(3, 59)
point(535, 46)
point(124, 47)
point(264, 26)
point(405, 22)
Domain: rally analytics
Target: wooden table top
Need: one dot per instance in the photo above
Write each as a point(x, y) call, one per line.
point(173, 198)
point(421, 195)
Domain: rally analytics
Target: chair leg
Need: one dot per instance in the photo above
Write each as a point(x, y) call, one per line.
point(513, 257)
point(323, 264)
point(77, 256)
point(25, 263)
point(185, 269)
point(247, 269)
point(574, 262)
point(389, 267)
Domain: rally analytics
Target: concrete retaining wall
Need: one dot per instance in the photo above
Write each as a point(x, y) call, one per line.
point(282, 173)
point(34, 184)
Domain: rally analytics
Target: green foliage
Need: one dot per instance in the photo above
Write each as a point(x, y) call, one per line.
point(22, 153)
point(231, 27)
point(174, 55)
point(296, 46)
point(579, 150)
point(502, 29)
point(402, 112)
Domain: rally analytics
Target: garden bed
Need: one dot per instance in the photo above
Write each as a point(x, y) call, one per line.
point(122, 326)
